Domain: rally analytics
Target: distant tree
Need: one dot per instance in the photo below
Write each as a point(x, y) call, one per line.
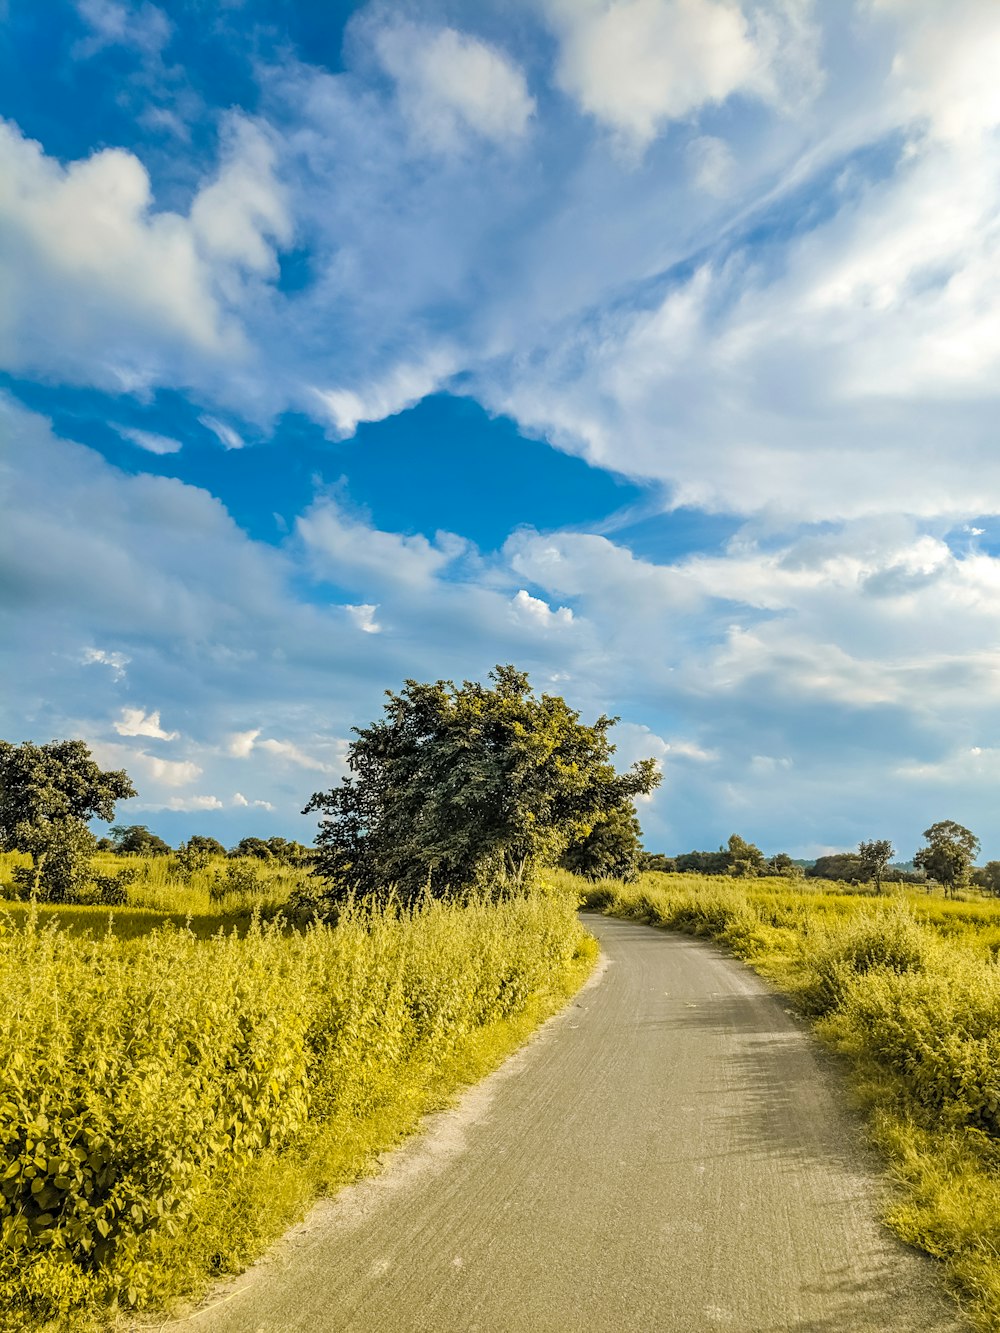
point(745, 859)
point(782, 864)
point(704, 863)
point(836, 865)
point(468, 787)
point(987, 878)
point(47, 795)
point(874, 858)
point(136, 840)
point(657, 861)
point(611, 850)
point(287, 850)
point(198, 842)
point(949, 854)
point(252, 847)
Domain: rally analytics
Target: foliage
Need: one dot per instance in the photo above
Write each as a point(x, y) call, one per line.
point(782, 864)
point(150, 1083)
point(136, 840)
point(874, 858)
point(47, 793)
point(657, 861)
point(987, 877)
point(745, 858)
point(612, 849)
point(470, 786)
point(210, 846)
point(703, 863)
point(256, 847)
point(837, 865)
point(949, 854)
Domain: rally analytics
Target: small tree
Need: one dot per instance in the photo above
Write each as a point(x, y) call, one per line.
point(468, 787)
point(949, 855)
point(255, 847)
point(47, 794)
point(782, 864)
point(745, 859)
point(874, 858)
point(136, 840)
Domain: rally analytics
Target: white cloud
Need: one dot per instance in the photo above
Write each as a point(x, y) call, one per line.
point(150, 441)
point(636, 64)
point(533, 611)
point(226, 435)
point(114, 23)
point(397, 389)
point(349, 552)
point(137, 722)
point(241, 743)
point(101, 287)
point(451, 84)
point(116, 661)
point(293, 754)
point(364, 617)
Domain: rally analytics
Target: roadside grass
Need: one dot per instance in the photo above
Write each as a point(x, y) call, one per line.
point(907, 989)
point(171, 1104)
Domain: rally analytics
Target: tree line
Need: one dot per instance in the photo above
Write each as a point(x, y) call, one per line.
point(455, 789)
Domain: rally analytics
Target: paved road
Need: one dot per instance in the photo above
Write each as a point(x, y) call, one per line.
point(672, 1153)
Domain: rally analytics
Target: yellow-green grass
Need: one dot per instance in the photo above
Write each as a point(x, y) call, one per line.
point(170, 1104)
point(907, 988)
point(162, 891)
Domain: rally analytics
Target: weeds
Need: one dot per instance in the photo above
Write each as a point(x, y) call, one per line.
point(169, 1104)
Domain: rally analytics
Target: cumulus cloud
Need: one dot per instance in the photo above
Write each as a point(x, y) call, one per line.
point(103, 288)
point(137, 722)
point(636, 64)
point(533, 611)
point(452, 84)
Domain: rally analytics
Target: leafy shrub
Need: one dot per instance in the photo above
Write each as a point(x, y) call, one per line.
point(883, 941)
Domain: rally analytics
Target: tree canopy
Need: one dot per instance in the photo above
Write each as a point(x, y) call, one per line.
point(873, 860)
point(949, 854)
point(47, 794)
point(136, 840)
point(468, 786)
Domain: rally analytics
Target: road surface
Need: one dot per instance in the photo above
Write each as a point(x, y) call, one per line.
point(671, 1154)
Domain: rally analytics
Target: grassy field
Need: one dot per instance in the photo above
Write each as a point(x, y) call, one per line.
point(907, 988)
point(172, 1103)
point(224, 893)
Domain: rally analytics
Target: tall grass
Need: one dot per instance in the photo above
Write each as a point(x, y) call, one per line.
point(169, 1104)
point(908, 989)
point(224, 891)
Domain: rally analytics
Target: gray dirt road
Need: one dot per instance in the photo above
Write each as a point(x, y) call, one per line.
point(672, 1153)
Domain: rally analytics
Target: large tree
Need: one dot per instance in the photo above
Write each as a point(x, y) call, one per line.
point(949, 854)
point(468, 787)
point(47, 794)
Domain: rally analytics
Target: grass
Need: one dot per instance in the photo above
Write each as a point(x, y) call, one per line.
point(171, 1104)
point(225, 893)
point(907, 989)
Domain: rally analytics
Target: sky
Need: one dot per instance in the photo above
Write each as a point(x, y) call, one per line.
point(649, 345)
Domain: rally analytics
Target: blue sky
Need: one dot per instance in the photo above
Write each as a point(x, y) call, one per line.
point(650, 345)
